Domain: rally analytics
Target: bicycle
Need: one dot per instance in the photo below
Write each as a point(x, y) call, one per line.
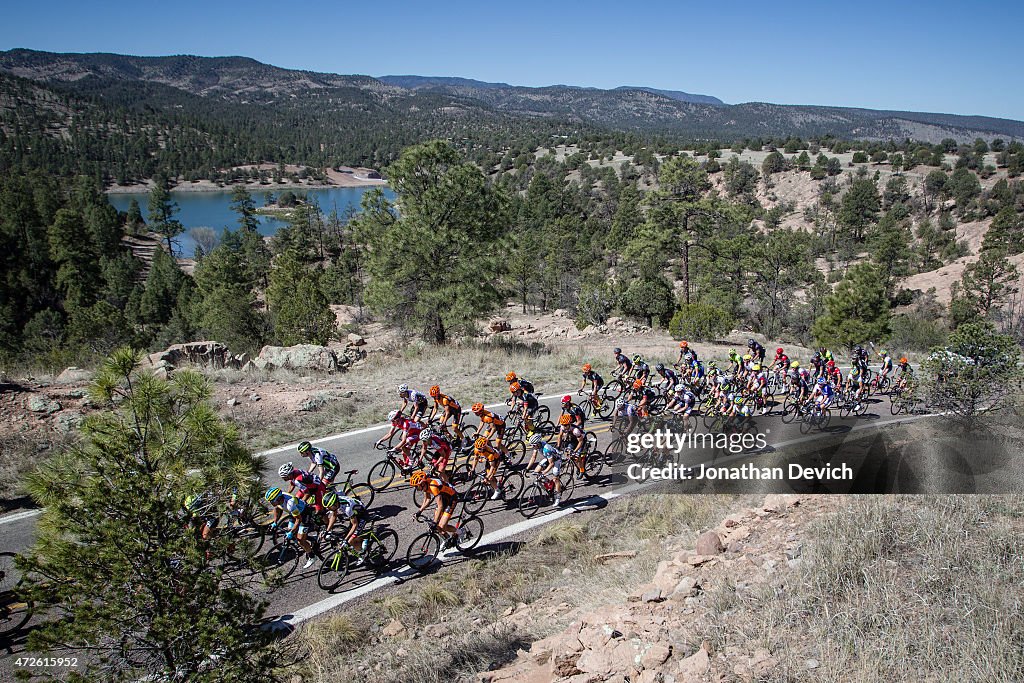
point(816, 417)
point(384, 471)
point(510, 487)
point(542, 492)
point(425, 548)
point(363, 492)
point(593, 405)
point(283, 559)
point(15, 609)
point(380, 548)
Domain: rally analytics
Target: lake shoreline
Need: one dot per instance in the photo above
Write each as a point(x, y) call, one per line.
point(253, 188)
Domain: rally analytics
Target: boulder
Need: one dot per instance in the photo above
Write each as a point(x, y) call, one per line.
point(694, 667)
point(42, 404)
point(395, 629)
point(209, 354)
point(709, 543)
point(355, 340)
point(300, 357)
point(68, 422)
point(655, 656)
point(73, 374)
point(500, 325)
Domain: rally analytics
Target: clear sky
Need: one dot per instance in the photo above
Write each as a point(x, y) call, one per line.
point(948, 56)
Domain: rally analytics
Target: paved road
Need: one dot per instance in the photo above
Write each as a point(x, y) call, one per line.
point(300, 598)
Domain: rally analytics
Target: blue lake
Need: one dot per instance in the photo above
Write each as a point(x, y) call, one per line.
point(213, 209)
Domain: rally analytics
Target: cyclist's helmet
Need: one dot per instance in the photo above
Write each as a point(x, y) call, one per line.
point(191, 502)
point(747, 356)
point(795, 364)
point(402, 389)
point(903, 360)
point(285, 470)
point(566, 399)
point(683, 344)
point(480, 443)
point(565, 419)
point(435, 391)
point(417, 478)
point(511, 377)
point(305, 447)
point(273, 494)
point(621, 402)
point(637, 384)
point(637, 358)
point(859, 347)
point(778, 351)
point(514, 388)
point(821, 380)
point(536, 440)
point(587, 367)
point(884, 352)
point(477, 408)
point(616, 350)
point(393, 415)
point(757, 367)
point(738, 400)
point(831, 364)
point(427, 434)
point(750, 343)
point(659, 367)
point(330, 499)
point(817, 355)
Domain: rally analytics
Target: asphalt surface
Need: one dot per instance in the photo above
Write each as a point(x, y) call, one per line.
point(300, 598)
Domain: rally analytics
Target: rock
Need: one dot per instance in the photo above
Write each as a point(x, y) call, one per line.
point(652, 596)
point(300, 357)
point(435, 630)
point(356, 340)
point(709, 543)
point(233, 401)
point(73, 374)
point(69, 421)
point(254, 398)
point(314, 402)
point(795, 551)
point(238, 361)
point(655, 656)
point(206, 353)
point(78, 393)
point(694, 667)
point(686, 588)
point(615, 556)
point(500, 325)
point(777, 502)
point(42, 404)
point(812, 663)
point(249, 367)
point(564, 665)
point(394, 629)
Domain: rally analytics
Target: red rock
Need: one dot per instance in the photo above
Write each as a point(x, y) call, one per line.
point(709, 543)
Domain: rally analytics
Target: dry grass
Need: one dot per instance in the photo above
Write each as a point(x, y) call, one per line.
point(925, 588)
point(555, 574)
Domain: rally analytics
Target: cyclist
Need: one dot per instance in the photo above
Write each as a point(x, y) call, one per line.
point(526, 384)
point(860, 361)
point(351, 510)
point(527, 403)
point(669, 379)
point(410, 436)
point(758, 387)
point(781, 360)
point(322, 460)
point(818, 363)
point(886, 365)
point(418, 401)
point(756, 350)
point(833, 373)
point(579, 418)
point(482, 450)
point(450, 408)
point(551, 463)
point(438, 449)
point(825, 354)
point(495, 425)
point(687, 354)
point(596, 382)
point(641, 370)
point(735, 360)
point(446, 498)
point(855, 384)
point(824, 393)
point(200, 513)
point(300, 518)
point(627, 411)
point(644, 397)
point(681, 401)
point(571, 436)
point(309, 487)
point(623, 365)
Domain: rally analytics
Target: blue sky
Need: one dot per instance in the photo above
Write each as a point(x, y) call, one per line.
point(942, 55)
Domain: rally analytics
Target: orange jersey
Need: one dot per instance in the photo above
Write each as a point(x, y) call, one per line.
point(436, 487)
point(489, 418)
point(447, 402)
point(487, 452)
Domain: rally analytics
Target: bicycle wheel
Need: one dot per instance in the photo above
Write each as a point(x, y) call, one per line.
point(516, 452)
point(462, 477)
point(381, 475)
point(512, 484)
point(282, 560)
point(897, 406)
point(363, 492)
point(710, 420)
point(568, 479)
point(593, 464)
point(423, 551)
point(471, 530)
point(381, 548)
point(477, 496)
point(657, 406)
point(587, 406)
point(332, 570)
point(542, 414)
point(807, 423)
point(613, 390)
point(615, 454)
point(15, 610)
point(604, 410)
point(533, 498)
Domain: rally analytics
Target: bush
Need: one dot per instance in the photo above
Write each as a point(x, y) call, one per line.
point(700, 322)
point(916, 332)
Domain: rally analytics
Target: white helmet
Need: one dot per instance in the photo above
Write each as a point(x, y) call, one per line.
point(427, 434)
point(402, 388)
point(284, 470)
point(392, 415)
point(536, 440)
point(621, 402)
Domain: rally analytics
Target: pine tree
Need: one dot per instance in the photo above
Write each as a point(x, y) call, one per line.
point(112, 556)
point(245, 207)
point(161, 212)
point(299, 310)
point(858, 310)
point(77, 260)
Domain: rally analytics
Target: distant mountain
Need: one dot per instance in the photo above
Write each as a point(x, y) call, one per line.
point(414, 106)
point(676, 95)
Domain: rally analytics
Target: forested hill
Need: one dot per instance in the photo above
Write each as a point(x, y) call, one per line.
point(122, 118)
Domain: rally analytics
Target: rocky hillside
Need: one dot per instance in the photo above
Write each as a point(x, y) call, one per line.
point(640, 109)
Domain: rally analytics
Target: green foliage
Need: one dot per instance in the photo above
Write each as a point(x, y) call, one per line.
point(779, 264)
point(299, 310)
point(1006, 232)
point(245, 207)
point(648, 298)
point(858, 310)
point(700, 322)
point(774, 163)
point(111, 518)
point(161, 212)
point(860, 158)
point(433, 256)
point(859, 207)
point(914, 332)
point(964, 186)
point(224, 306)
point(741, 180)
point(985, 286)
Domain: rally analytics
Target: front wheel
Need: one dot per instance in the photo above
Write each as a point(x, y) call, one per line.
point(282, 560)
point(512, 484)
point(381, 475)
point(533, 498)
point(423, 551)
point(593, 464)
point(382, 548)
point(333, 570)
point(477, 497)
point(516, 453)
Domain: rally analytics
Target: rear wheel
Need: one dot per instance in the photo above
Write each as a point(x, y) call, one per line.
point(363, 492)
point(477, 497)
point(614, 390)
point(568, 480)
point(789, 409)
point(604, 410)
point(471, 530)
point(516, 452)
point(423, 551)
point(462, 477)
point(512, 485)
point(15, 610)
point(593, 465)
